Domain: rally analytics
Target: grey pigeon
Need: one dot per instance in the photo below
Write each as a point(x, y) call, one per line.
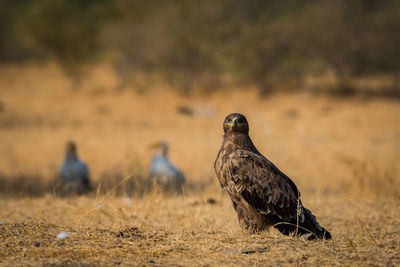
point(162, 170)
point(74, 173)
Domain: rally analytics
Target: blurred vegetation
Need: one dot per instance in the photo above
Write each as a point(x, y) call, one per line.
point(209, 44)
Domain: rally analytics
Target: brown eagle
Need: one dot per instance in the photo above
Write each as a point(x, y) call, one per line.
point(261, 194)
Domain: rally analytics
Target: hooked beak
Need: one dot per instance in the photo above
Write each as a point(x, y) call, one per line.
point(234, 122)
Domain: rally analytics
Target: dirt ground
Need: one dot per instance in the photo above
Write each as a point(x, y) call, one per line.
point(343, 154)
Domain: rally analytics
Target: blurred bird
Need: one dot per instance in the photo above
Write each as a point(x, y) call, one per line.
point(261, 194)
point(162, 170)
point(74, 173)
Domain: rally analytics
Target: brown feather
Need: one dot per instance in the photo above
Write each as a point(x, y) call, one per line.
point(261, 194)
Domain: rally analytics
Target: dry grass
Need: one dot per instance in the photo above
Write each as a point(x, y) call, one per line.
point(188, 231)
point(344, 155)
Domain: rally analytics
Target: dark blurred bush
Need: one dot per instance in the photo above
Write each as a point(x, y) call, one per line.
point(202, 44)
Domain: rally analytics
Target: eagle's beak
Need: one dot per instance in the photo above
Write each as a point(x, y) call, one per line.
point(234, 122)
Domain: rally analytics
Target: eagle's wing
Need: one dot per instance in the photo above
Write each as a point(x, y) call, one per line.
point(262, 185)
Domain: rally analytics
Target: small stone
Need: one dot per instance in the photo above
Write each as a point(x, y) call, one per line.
point(211, 201)
point(62, 235)
point(37, 244)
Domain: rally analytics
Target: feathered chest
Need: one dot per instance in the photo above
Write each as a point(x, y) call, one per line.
point(228, 164)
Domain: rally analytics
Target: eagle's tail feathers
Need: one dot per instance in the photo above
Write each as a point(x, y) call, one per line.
point(310, 223)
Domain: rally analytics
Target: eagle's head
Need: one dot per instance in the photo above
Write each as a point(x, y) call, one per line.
point(236, 123)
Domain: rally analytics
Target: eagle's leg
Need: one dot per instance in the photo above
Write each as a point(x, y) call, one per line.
point(253, 224)
point(243, 222)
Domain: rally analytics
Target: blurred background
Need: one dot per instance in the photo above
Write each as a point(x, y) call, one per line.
point(274, 45)
point(318, 80)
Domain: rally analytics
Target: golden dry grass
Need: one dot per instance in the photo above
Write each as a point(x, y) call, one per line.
point(344, 155)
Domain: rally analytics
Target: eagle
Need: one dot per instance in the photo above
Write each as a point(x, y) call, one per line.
point(261, 194)
point(167, 175)
point(73, 172)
